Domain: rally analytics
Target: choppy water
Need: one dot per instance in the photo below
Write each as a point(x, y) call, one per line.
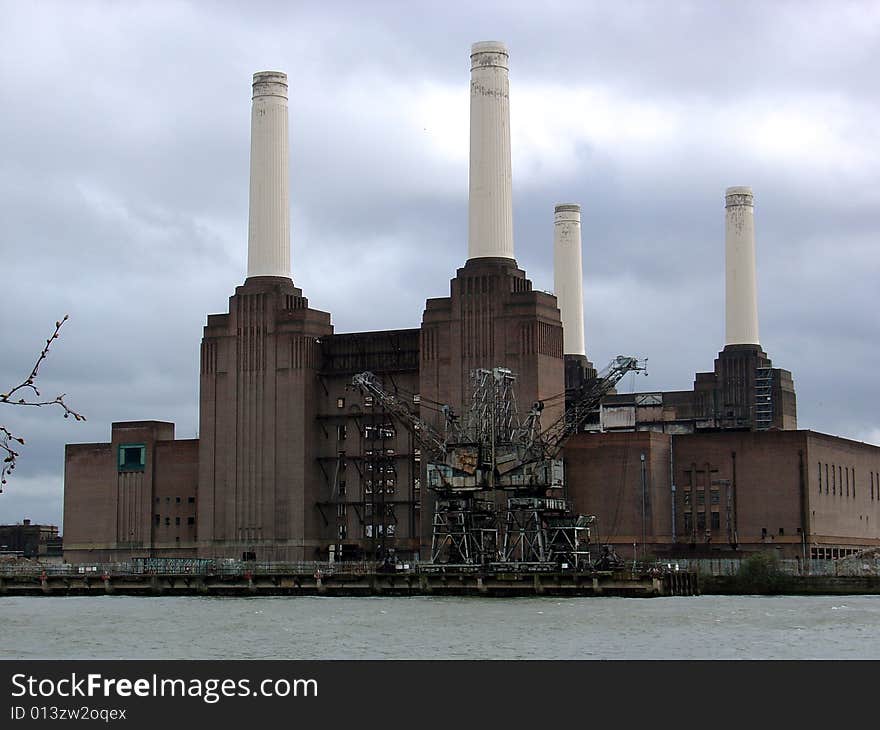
point(704, 627)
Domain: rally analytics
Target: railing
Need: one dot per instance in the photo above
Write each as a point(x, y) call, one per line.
point(172, 566)
point(843, 567)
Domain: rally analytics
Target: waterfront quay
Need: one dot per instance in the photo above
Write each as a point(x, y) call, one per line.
point(169, 577)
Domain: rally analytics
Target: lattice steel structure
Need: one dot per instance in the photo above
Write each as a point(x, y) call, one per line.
point(491, 457)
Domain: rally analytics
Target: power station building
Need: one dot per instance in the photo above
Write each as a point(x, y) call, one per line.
point(293, 464)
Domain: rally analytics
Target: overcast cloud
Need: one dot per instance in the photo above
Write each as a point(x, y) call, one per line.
point(124, 173)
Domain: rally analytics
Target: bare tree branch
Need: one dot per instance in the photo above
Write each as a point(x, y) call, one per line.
point(26, 391)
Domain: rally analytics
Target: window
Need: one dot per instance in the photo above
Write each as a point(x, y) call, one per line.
point(701, 497)
point(716, 496)
point(341, 531)
point(132, 457)
point(833, 480)
point(341, 432)
point(687, 496)
point(340, 402)
point(341, 487)
point(716, 520)
point(191, 500)
point(177, 499)
point(368, 401)
point(781, 531)
point(701, 521)
point(417, 398)
point(157, 500)
point(826, 478)
point(167, 521)
point(688, 522)
point(190, 520)
point(177, 520)
point(158, 520)
point(820, 477)
point(340, 510)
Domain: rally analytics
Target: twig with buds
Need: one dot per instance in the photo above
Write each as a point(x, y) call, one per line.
point(8, 440)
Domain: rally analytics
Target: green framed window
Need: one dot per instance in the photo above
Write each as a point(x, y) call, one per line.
point(132, 457)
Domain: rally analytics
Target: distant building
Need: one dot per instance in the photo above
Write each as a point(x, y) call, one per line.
point(30, 541)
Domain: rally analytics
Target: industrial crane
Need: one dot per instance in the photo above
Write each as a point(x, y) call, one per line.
point(490, 451)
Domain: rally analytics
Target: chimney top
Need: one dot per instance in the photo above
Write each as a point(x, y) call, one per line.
point(270, 83)
point(568, 208)
point(739, 195)
point(489, 53)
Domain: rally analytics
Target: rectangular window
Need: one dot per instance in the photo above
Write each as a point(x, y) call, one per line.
point(132, 457)
point(833, 480)
point(826, 478)
point(417, 398)
point(701, 521)
point(341, 531)
point(688, 522)
point(847, 481)
point(368, 400)
point(716, 520)
point(341, 487)
point(820, 477)
point(854, 481)
point(340, 510)
point(177, 499)
point(190, 520)
point(177, 520)
point(341, 432)
point(191, 500)
point(340, 402)
point(716, 496)
point(158, 520)
point(701, 497)
point(687, 496)
point(167, 521)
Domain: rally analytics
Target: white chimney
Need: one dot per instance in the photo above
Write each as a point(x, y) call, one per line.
point(568, 276)
point(741, 290)
point(269, 216)
point(490, 209)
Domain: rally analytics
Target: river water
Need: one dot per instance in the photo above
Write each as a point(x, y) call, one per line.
point(701, 627)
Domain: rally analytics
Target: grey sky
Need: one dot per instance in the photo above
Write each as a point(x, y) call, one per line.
point(124, 172)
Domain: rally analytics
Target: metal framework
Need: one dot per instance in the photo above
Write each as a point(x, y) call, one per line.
point(492, 457)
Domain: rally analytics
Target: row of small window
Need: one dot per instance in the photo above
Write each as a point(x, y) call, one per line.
point(818, 553)
point(714, 521)
point(387, 485)
point(177, 500)
point(384, 431)
point(368, 400)
point(841, 480)
point(714, 496)
point(157, 520)
point(388, 530)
